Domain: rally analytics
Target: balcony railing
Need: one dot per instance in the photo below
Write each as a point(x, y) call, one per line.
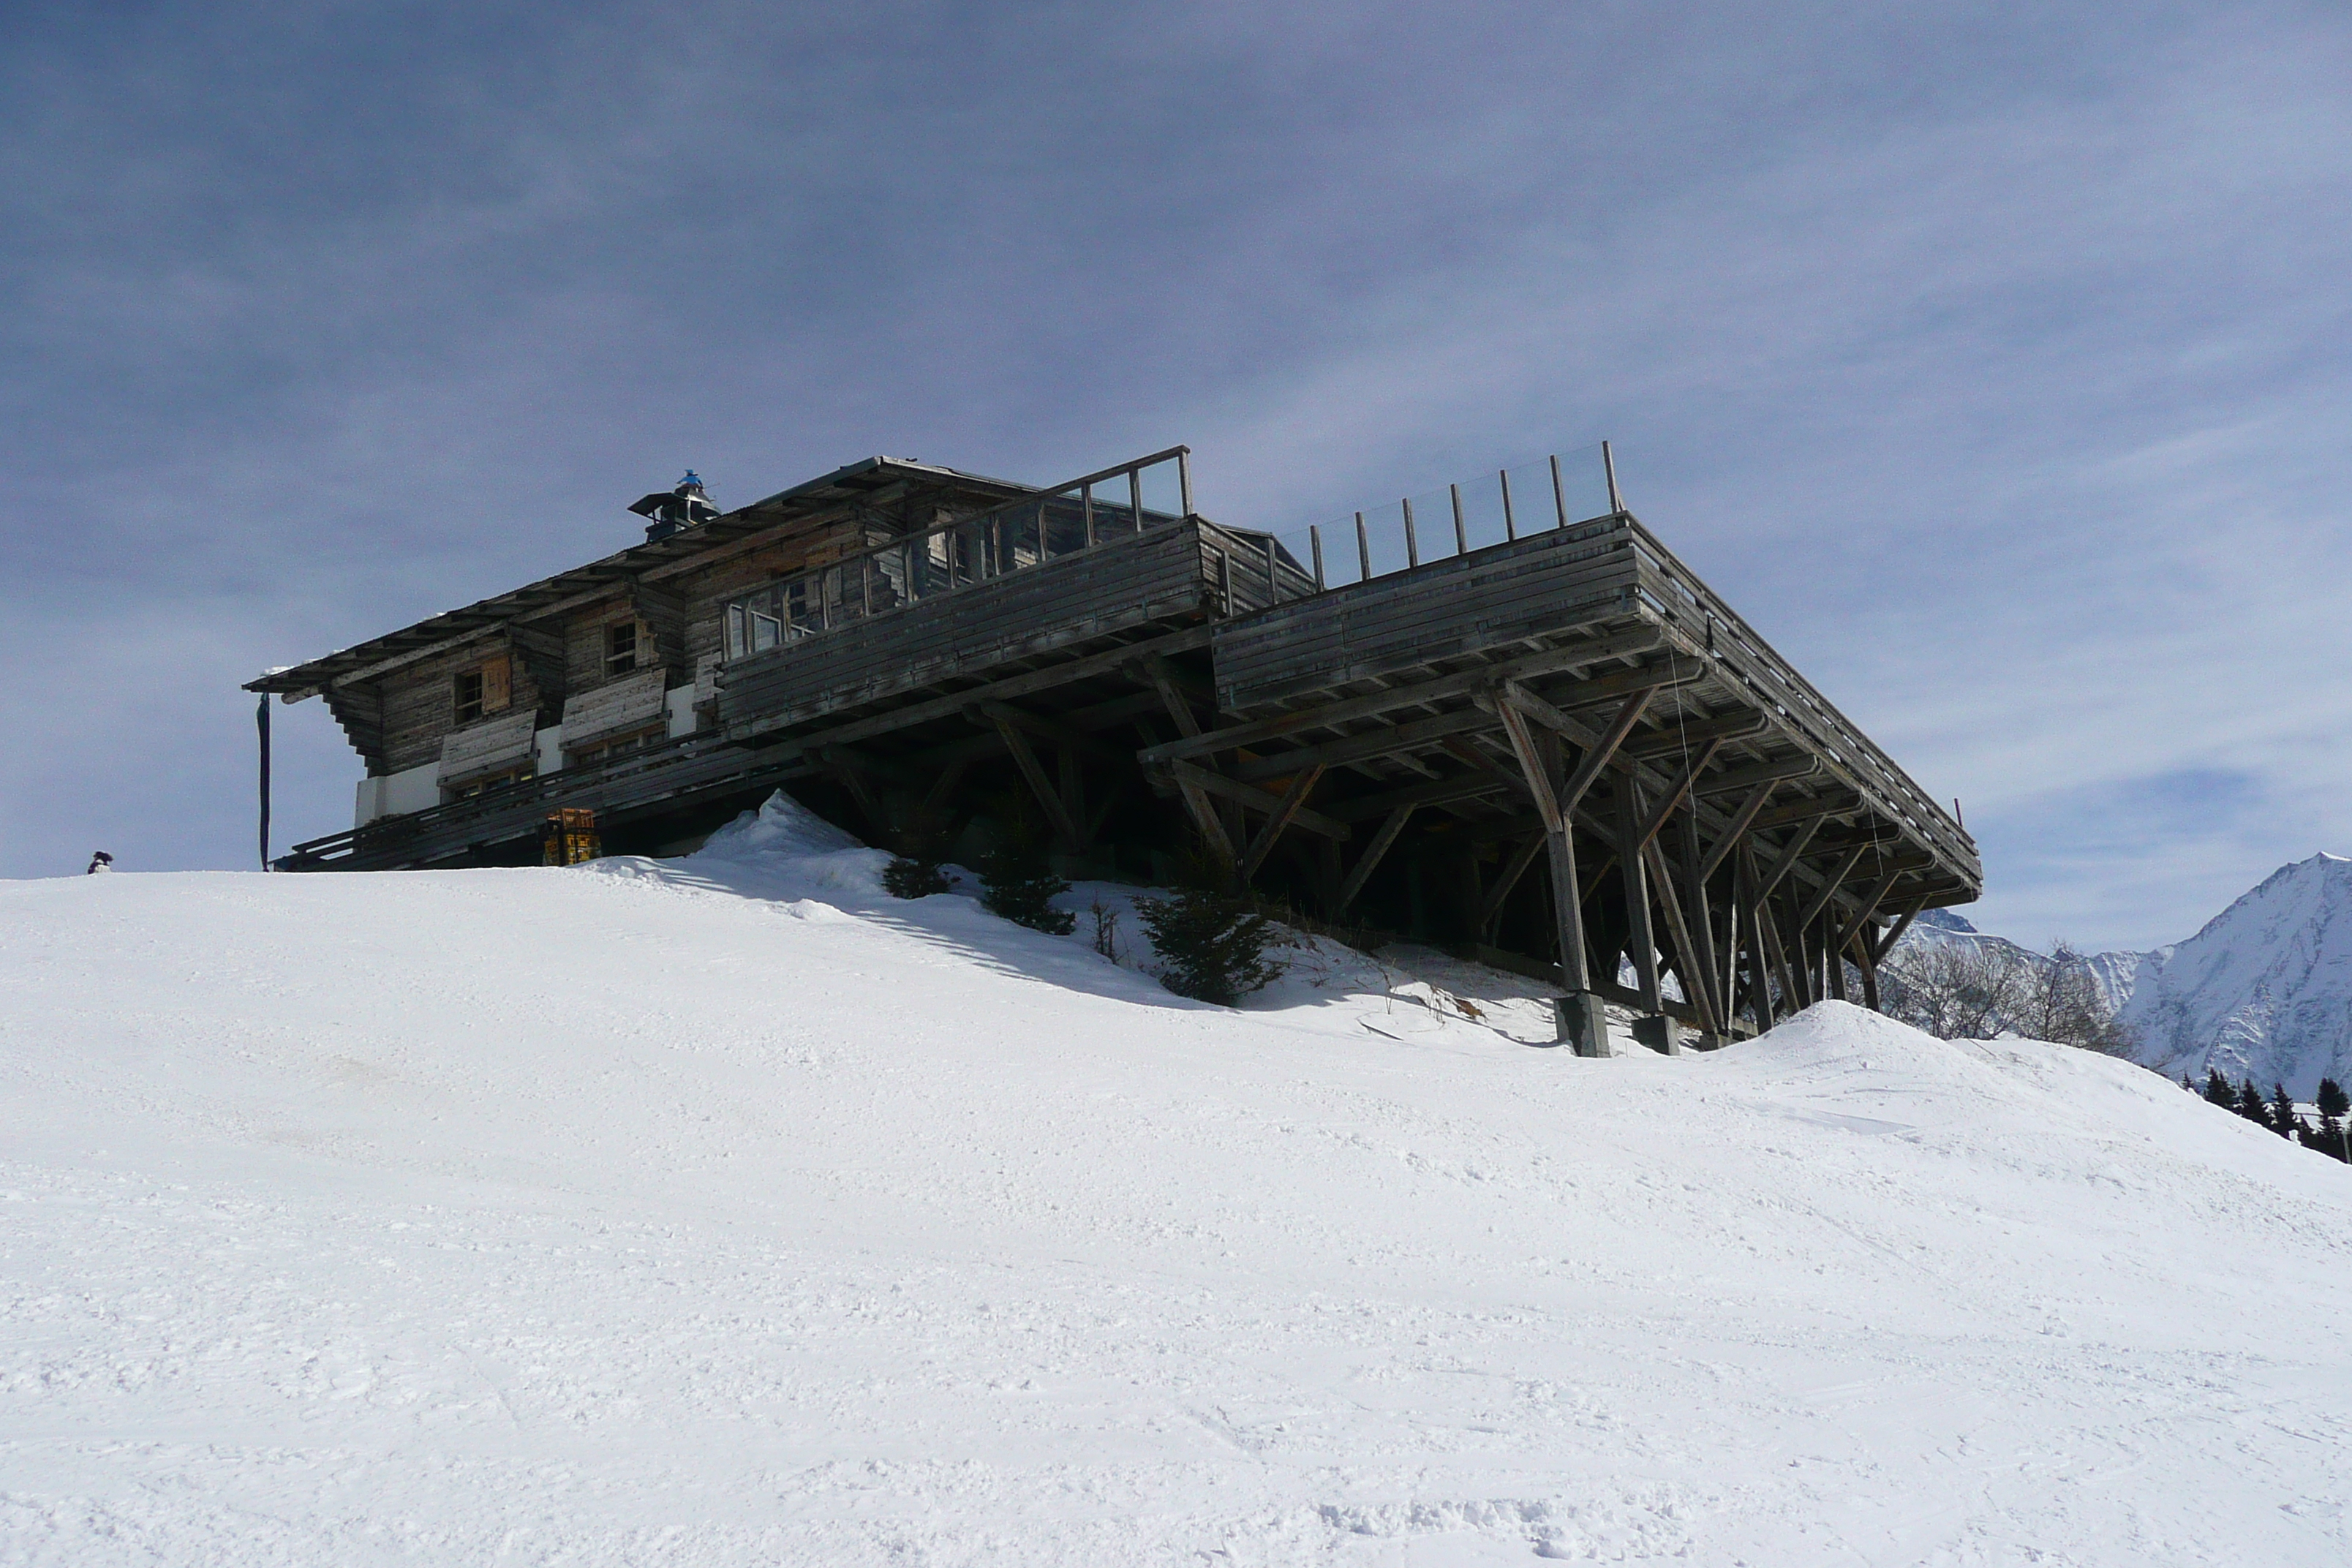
point(1146, 493)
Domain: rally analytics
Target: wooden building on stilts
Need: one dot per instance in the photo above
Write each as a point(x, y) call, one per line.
point(1533, 736)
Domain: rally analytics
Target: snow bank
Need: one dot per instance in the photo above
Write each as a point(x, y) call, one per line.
point(723, 1210)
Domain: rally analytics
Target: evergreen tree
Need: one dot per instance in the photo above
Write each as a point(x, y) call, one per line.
point(1211, 945)
point(2251, 1105)
point(2330, 1139)
point(2284, 1120)
point(2185, 1083)
point(914, 877)
point(2218, 1090)
point(1017, 882)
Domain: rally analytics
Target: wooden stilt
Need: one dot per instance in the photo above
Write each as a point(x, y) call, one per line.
point(1370, 861)
point(1580, 1022)
point(1293, 799)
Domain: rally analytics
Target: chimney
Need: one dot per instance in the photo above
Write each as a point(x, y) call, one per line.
point(679, 508)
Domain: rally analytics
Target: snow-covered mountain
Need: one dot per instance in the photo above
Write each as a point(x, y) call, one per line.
point(2265, 991)
point(726, 1211)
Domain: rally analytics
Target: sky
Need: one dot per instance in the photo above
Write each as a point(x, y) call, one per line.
point(1992, 360)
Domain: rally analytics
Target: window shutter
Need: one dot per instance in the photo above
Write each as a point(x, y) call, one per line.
point(498, 685)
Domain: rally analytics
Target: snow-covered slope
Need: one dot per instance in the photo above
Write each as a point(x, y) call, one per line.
point(2263, 992)
point(724, 1211)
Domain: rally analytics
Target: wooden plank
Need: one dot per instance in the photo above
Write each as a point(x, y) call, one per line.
point(1369, 861)
point(1294, 800)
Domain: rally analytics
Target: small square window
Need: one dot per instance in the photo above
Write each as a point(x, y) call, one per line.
point(620, 648)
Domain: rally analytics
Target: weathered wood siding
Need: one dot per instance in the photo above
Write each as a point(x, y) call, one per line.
point(1549, 582)
point(1168, 572)
point(420, 702)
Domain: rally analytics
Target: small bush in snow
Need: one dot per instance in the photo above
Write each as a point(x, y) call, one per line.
point(912, 877)
point(1106, 929)
point(1017, 882)
point(1212, 947)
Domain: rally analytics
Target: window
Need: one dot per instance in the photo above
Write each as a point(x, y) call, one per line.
point(487, 689)
point(617, 747)
point(512, 776)
point(469, 695)
point(620, 648)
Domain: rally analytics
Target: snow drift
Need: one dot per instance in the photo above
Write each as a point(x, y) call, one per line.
point(726, 1211)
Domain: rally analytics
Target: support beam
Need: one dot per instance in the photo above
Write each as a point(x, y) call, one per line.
point(1688, 962)
point(1599, 749)
point(1830, 884)
point(1667, 801)
point(1154, 669)
point(1741, 821)
point(1259, 800)
point(1065, 829)
point(1370, 861)
point(1895, 932)
point(1578, 1019)
point(1212, 827)
point(1641, 941)
point(1514, 867)
point(1790, 853)
point(1294, 800)
point(1701, 915)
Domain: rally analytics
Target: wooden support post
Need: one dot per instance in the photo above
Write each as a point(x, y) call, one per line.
point(1868, 966)
point(1828, 889)
point(1491, 907)
point(1789, 854)
point(1736, 829)
point(1155, 671)
point(1074, 795)
point(1675, 792)
point(1370, 861)
point(1894, 934)
point(1577, 1019)
point(1065, 829)
point(1204, 817)
point(1293, 799)
point(1641, 941)
point(1697, 989)
point(1833, 956)
point(1699, 911)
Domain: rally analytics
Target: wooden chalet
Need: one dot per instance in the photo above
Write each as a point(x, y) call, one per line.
point(917, 651)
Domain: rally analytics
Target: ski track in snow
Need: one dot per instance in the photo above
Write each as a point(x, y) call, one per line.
point(724, 1211)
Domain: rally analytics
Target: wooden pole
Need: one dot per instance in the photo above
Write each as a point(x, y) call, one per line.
point(1640, 941)
point(1292, 799)
point(261, 723)
point(1577, 1020)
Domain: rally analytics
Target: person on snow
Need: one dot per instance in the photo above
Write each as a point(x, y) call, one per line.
point(99, 860)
